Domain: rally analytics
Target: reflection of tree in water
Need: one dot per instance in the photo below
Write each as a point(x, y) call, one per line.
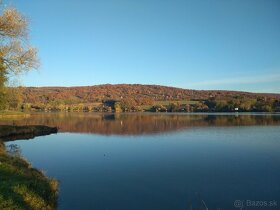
point(133, 124)
point(13, 150)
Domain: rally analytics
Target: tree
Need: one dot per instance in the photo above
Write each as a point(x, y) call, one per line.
point(118, 107)
point(174, 107)
point(2, 88)
point(221, 105)
point(13, 98)
point(16, 55)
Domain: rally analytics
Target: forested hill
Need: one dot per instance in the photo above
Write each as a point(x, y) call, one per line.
point(141, 94)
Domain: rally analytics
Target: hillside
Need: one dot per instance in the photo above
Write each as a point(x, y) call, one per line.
point(99, 93)
point(136, 96)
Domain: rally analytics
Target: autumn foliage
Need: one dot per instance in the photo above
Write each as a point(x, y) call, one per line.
point(136, 97)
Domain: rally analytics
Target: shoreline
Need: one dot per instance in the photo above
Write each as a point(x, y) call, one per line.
point(7, 114)
point(11, 132)
point(22, 186)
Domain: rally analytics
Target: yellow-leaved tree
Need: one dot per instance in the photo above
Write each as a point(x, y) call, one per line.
point(16, 54)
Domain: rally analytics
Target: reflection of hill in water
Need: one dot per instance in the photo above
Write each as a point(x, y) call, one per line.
point(137, 124)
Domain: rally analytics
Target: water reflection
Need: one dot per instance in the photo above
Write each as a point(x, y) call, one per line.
point(217, 159)
point(139, 124)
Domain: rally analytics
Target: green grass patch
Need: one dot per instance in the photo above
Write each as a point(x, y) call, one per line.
point(23, 187)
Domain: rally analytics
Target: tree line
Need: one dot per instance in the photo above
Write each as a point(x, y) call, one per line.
point(260, 104)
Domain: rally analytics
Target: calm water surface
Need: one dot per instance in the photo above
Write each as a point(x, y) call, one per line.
point(158, 161)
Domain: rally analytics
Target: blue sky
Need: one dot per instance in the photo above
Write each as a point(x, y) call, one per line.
point(201, 44)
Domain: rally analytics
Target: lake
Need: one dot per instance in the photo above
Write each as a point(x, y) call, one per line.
point(159, 161)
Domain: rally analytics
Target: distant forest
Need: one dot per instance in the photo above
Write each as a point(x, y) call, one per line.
point(136, 97)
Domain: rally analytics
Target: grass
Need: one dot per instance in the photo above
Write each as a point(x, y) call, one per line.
point(6, 114)
point(23, 187)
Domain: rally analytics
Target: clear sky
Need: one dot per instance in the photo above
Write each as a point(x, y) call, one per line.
point(201, 44)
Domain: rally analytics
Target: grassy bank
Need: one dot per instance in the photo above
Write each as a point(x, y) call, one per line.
point(21, 186)
point(6, 114)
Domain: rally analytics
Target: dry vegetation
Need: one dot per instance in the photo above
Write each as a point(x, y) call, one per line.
point(125, 97)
